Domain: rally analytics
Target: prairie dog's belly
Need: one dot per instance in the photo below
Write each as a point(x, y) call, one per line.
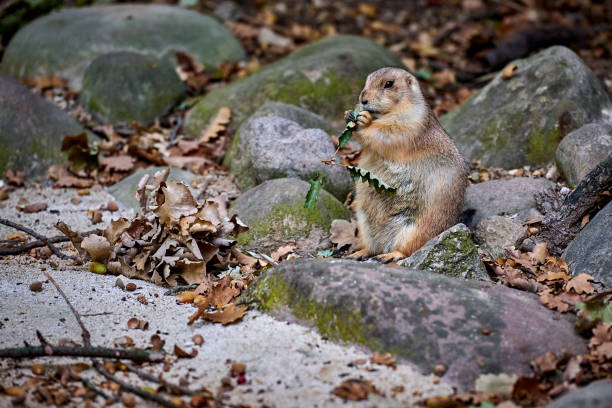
point(384, 216)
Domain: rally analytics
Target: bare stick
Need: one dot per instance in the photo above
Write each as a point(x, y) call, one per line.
point(36, 235)
point(48, 350)
point(37, 244)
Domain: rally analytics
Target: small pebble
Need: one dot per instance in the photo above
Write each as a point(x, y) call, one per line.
point(36, 286)
point(112, 206)
point(119, 283)
point(130, 287)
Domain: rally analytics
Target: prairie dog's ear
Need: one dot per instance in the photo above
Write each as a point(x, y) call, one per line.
point(411, 80)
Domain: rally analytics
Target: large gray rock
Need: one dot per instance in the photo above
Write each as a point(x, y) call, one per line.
point(122, 87)
point(66, 42)
point(452, 253)
point(301, 116)
point(583, 149)
point(471, 327)
point(510, 123)
point(514, 197)
point(124, 191)
point(324, 77)
point(591, 251)
point(598, 394)
point(275, 214)
point(495, 233)
point(31, 129)
point(272, 147)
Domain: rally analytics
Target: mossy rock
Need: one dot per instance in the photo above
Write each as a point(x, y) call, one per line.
point(520, 121)
point(275, 214)
point(31, 130)
point(64, 43)
point(122, 87)
point(424, 318)
point(451, 253)
point(324, 77)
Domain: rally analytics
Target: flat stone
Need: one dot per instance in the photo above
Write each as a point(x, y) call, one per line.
point(271, 147)
point(124, 191)
point(452, 253)
point(591, 251)
point(598, 394)
point(519, 121)
point(514, 197)
point(275, 214)
point(495, 233)
point(66, 42)
point(324, 77)
point(471, 327)
point(583, 149)
point(31, 129)
point(122, 87)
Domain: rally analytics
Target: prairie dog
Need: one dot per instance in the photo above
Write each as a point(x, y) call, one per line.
point(404, 145)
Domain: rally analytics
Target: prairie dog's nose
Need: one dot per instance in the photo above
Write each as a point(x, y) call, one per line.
point(364, 102)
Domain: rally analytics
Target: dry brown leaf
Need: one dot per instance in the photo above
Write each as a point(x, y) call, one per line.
point(15, 179)
point(580, 284)
point(118, 163)
point(585, 221)
point(71, 181)
point(180, 353)
point(33, 208)
point(228, 315)
point(16, 236)
point(223, 292)
point(97, 247)
point(282, 251)
point(186, 297)
point(217, 125)
point(553, 302)
point(243, 259)
point(344, 233)
point(355, 390)
point(383, 359)
point(135, 323)
point(509, 71)
point(41, 83)
point(540, 253)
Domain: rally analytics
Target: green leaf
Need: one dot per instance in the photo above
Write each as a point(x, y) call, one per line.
point(592, 312)
point(325, 253)
point(313, 194)
point(347, 133)
point(374, 182)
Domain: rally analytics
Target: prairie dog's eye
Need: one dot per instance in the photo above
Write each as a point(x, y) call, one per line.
point(388, 84)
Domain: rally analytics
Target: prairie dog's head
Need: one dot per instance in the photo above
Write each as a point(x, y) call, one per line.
point(392, 90)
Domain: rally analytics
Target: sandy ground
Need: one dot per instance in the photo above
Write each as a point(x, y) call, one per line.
point(288, 365)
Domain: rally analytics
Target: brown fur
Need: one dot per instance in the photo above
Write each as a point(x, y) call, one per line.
point(404, 145)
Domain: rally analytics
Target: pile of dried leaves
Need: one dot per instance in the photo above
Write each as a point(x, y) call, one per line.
point(173, 239)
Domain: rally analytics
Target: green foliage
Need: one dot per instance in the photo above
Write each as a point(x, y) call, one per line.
point(80, 154)
point(485, 404)
point(374, 182)
point(347, 133)
point(313, 193)
point(325, 253)
point(592, 312)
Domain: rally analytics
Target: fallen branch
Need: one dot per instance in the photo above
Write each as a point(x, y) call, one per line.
point(46, 241)
point(16, 250)
point(563, 218)
point(47, 350)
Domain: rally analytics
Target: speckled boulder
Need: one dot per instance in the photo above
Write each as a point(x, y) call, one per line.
point(275, 214)
point(452, 253)
point(271, 147)
point(495, 233)
point(425, 318)
point(598, 394)
point(582, 150)
point(514, 197)
point(510, 123)
point(31, 129)
point(324, 77)
point(122, 87)
point(66, 42)
point(591, 251)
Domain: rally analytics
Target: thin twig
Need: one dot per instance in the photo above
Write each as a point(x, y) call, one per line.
point(85, 381)
point(36, 235)
point(127, 387)
point(37, 244)
point(48, 350)
point(166, 385)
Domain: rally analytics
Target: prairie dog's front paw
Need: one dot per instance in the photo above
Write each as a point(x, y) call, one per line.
point(364, 119)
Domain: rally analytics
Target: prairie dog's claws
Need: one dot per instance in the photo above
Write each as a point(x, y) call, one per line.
point(349, 116)
point(364, 118)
